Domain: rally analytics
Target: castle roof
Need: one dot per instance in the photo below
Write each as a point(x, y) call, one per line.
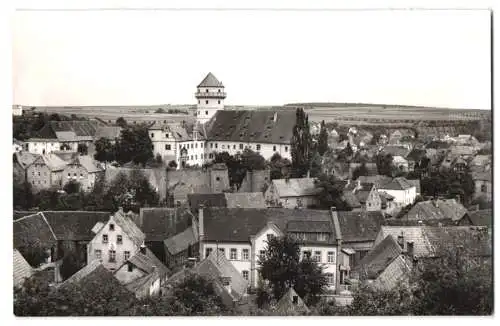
point(210, 81)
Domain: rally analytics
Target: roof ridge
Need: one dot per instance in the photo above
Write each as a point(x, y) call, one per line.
point(48, 224)
point(24, 217)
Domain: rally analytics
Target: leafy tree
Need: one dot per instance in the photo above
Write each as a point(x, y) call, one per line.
point(83, 149)
point(370, 301)
point(72, 187)
point(331, 192)
point(346, 154)
point(158, 159)
point(251, 160)
point(283, 268)
point(23, 195)
point(172, 164)
point(54, 117)
point(301, 144)
point(121, 122)
point(323, 139)
point(160, 110)
point(105, 150)
point(359, 171)
point(316, 165)
point(134, 145)
point(384, 164)
point(279, 166)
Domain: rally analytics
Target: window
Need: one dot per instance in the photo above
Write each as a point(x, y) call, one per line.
point(208, 251)
point(234, 146)
point(152, 135)
point(215, 145)
point(126, 255)
point(258, 147)
point(286, 148)
point(321, 236)
point(218, 101)
point(218, 90)
point(483, 188)
point(330, 279)
point(269, 237)
point(262, 255)
point(112, 256)
point(119, 239)
point(201, 145)
point(97, 254)
point(39, 174)
point(211, 155)
point(191, 145)
point(317, 256)
point(211, 145)
point(130, 267)
point(241, 146)
point(274, 148)
point(69, 175)
point(244, 254)
point(196, 145)
point(206, 112)
point(233, 254)
point(207, 90)
point(191, 157)
point(217, 178)
point(331, 257)
point(104, 238)
point(245, 275)
point(166, 135)
point(111, 227)
point(81, 175)
point(222, 251)
point(306, 254)
point(295, 299)
point(167, 147)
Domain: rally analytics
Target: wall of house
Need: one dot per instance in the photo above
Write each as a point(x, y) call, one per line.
point(360, 247)
point(402, 197)
point(329, 268)
point(39, 176)
point(293, 202)
point(260, 244)
point(125, 277)
point(477, 189)
point(234, 147)
point(207, 107)
point(76, 172)
point(97, 244)
point(373, 202)
point(255, 181)
point(219, 180)
point(240, 264)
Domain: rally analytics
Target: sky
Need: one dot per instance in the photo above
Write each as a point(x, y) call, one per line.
point(412, 57)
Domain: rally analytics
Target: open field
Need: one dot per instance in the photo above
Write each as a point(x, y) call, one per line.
point(343, 113)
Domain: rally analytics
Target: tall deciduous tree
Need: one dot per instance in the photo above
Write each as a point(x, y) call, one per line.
point(384, 164)
point(283, 268)
point(323, 139)
point(134, 145)
point(105, 150)
point(301, 144)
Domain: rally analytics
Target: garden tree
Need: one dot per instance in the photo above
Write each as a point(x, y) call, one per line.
point(482, 202)
point(331, 192)
point(134, 145)
point(301, 145)
point(145, 195)
point(239, 164)
point(359, 171)
point(158, 159)
point(121, 122)
point(329, 308)
point(99, 199)
point(329, 159)
point(72, 187)
point(279, 166)
point(283, 268)
point(384, 164)
point(370, 301)
point(48, 199)
point(323, 139)
point(83, 149)
point(316, 168)
point(23, 195)
point(346, 154)
point(105, 150)
point(251, 160)
point(172, 164)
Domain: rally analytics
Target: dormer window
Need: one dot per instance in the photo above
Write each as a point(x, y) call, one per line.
point(119, 239)
point(111, 227)
point(219, 90)
point(295, 299)
point(104, 238)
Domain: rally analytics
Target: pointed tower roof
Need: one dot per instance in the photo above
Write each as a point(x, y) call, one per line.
point(210, 81)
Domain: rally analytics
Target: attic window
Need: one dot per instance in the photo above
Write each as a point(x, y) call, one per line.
point(111, 227)
point(295, 299)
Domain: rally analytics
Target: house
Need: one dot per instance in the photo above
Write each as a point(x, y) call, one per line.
point(467, 140)
point(415, 158)
point(182, 246)
point(62, 135)
point(483, 217)
point(483, 186)
point(400, 163)
point(21, 162)
point(377, 180)
point(292, 193)
point(388, 207)
point(17, 146)
point(291, 304)
point(416, 183)
point(431, 241)
point(403, 192)
point(480, 161)
point(465, 152)
point(45, 172)
point(400, 135)
point(365, 193)
point(255, 181)
point(241, 235)
point(84, 170)
point(115, 241)
point(385, 265)
point(143, 273)
point(21, 269)
point(228, 282)
point(245, 200)
point(436, 209)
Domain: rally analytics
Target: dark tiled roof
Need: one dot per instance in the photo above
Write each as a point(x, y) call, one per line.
point(296, 187)
point(19, 214)
point(379, 258)
point(148, 262)
point(239, 224)
point(309, 226)
point(181, 241)
point(130, 228)
point(245, 200)
point(208, 200)
point(33, 231)
point(54, 129)
point(436, 209)
point(75, 225)
point(252, 126)
point(399, 183)
point(286, 307)
point(416, 155)
point(25, 159)
point(210, 81)
point(21, 268)
point(160, 223)
point(360, 226)
point(481, 217)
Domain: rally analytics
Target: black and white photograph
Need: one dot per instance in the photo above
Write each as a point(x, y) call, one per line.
point(251, 161)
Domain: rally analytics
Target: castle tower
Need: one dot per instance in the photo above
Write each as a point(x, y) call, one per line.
point(210, 95)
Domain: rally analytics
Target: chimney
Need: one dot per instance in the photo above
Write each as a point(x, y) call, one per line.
point(142, 248)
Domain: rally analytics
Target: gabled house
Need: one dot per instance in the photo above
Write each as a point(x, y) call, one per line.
point(388, 207)
point(385, 265)
point(365, 194)
point(483, 217)
point(226, 279)
point(84, 170)
point(21, 269)
point(292, 193)
point(403, 192)
point(395, 150)
point(45, 172)
point(21, 162)
point(400, 163)
point(415, 158)
point(182, 246)
point(483, 186)
point(436, 209)
point(291, 304)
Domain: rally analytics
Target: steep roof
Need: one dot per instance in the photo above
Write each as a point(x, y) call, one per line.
point(52, 161)
point(245, 200)
point(481, 217)
point(33, 231)
point(210, 81)
point(108, 132)
point(148, 263)
point(436, 209)
point(129, 228)
point(377, 180)
point(207, 200)
point(429, 240)
point(181, 241)
point(239, 224)
point(359, 226)
point(286, 307)
point(296, 187)
point(68, 130)
point(83, 273)
point(399, 183)
point(87, 162)
point(255, 126)
point(21, 269)
point(379, 258)
point(74, 225)
point(160, 223)
point(25, 159)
